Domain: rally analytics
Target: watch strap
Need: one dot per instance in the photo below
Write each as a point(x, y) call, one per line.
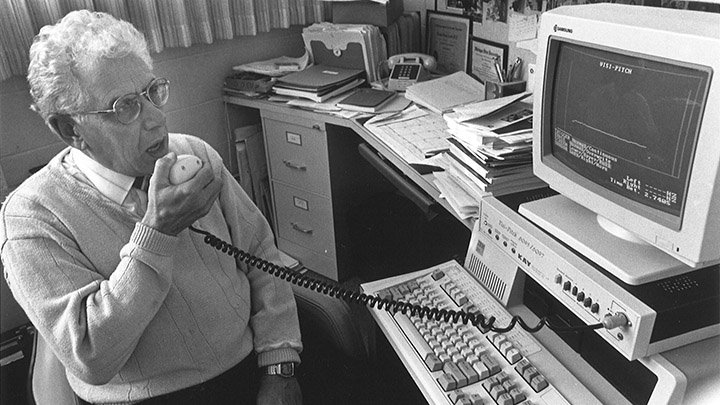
point(285, 369)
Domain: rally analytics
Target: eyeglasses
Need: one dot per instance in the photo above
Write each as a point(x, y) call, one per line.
point(127, 108)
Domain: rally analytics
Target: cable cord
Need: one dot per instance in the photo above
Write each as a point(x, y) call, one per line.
point(390, 305)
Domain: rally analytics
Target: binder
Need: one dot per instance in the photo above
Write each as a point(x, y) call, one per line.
point(318, 78)
point(366, 100)
point(319, 97)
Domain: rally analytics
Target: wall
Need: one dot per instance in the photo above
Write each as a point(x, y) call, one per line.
point(195, 107)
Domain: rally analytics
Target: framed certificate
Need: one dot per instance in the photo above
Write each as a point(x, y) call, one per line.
point(448, 40)
point(484, 55)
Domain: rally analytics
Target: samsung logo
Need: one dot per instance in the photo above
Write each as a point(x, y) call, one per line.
point(563, 29)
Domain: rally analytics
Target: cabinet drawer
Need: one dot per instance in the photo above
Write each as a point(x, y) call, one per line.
point(314, 261)
point(298, 155)
point(304, 218)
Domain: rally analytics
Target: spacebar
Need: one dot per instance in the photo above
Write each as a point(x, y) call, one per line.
point(416, 339)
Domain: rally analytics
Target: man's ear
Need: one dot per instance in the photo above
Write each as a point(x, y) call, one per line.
point(64, 127)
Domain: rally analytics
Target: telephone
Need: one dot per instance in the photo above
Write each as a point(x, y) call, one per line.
point(408, 69)
point(184, 168)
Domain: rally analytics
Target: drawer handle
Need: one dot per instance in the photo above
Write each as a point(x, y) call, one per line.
point(301, 229)
point(317, 127)
point(296, 166)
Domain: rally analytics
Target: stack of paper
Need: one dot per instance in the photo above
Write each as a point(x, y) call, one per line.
point(319, 83)
point(492, 149)
point(481, 122)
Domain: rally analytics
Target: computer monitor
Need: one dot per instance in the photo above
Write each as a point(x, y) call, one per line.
point(627, 131)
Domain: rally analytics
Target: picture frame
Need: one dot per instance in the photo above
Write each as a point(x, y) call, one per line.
point(470, 8)
point(483, 54)
point(448, 40)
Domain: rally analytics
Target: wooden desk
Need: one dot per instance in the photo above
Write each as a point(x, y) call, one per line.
point(316, 175)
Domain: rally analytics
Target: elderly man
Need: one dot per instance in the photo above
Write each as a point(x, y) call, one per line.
point(136, 307)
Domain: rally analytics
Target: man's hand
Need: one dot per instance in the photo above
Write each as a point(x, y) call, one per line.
point(172, 208)
point(277, 390)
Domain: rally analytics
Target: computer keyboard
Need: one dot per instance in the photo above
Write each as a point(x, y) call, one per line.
point(456, 363)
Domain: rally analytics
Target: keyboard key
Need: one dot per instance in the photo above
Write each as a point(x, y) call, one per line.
point(517, 395)
point(433, 362)
point(447, 382)
point(522, 365)
point(496, 391)
point(490, 363)
point(530, 373)
point(505, 399)
point(481, 369)
point(452, 369)
point(457, 395)
point(504, 347)
point(476, 399)
point(469, 372)
point(490, 383)
point(539, 383)
point(513, 356)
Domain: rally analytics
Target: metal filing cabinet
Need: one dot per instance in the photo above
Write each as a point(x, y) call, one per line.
point(297, 154)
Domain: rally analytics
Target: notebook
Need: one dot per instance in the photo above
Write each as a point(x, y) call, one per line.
point(366, 100)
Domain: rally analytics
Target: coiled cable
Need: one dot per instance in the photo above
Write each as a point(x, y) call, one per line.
point(389, 305)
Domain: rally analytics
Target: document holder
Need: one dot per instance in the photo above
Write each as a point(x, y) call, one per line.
point(352, 57)
point(350, 47)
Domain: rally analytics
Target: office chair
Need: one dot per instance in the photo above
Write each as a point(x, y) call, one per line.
point(335, 357)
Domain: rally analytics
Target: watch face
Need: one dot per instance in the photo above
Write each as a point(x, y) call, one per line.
point(287, 369)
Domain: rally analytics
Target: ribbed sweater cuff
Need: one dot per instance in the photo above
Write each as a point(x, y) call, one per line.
point(153, 240)
point(278, 356)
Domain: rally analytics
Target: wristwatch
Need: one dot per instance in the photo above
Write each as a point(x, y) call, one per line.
point(286, 369)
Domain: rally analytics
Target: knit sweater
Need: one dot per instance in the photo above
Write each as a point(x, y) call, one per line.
point(134, 313)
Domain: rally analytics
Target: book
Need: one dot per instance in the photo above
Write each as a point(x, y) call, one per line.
point(447, 92)
point(318, 78)
point(322, 97)
point(366, 100)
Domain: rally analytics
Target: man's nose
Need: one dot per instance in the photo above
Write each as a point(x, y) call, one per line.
point(152, 116)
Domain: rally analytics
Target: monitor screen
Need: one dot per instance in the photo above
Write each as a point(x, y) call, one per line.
point(626, 122)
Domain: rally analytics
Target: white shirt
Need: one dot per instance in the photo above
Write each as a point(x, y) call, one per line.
point(117, 187)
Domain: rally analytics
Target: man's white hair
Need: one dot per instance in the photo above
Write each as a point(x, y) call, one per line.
point(76, 44)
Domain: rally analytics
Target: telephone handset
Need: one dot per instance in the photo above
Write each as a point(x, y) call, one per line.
point(184, 168)
point(409, 68)
point(187, 165)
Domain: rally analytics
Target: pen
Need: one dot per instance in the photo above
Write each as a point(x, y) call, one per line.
point(499, 70)
point(515, 69)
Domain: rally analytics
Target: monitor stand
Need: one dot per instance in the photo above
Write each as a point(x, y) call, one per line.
point(632, 261)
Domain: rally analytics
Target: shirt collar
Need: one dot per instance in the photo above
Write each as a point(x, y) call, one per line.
point(111, 184)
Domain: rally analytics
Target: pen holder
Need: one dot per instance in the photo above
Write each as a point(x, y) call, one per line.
point(497, 90)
